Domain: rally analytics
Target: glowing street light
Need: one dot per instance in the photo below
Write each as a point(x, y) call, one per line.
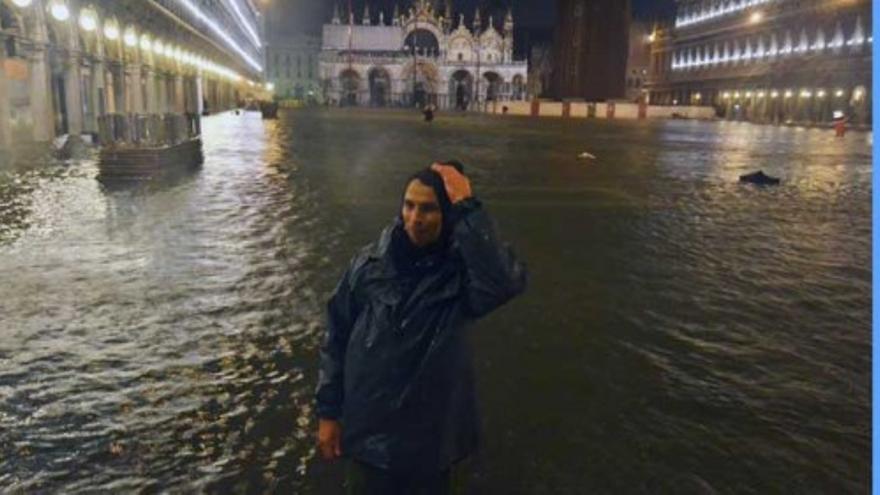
point(111, 30)
point(145, 43)
point(88, 20)
point(22, 3)
point(774, 94)
point(806, 94)
point(821, 93)
point(756, 17)
point(59, 10)
point(130, 37)
point(839, 93)
point(761, 94)
point(788, 94)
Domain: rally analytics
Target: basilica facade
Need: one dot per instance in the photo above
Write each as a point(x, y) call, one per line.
point(420, 57)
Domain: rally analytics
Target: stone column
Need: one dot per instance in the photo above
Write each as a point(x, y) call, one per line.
point(200, 93)
point(99, 92)
point(5, 131)
point(111, 77)
point(133, 92)
point(40, 96)
point(179, 99)
point(73, 95)
point(193, 91)
point(150, 85)
point(161, 92)
point(93, 106)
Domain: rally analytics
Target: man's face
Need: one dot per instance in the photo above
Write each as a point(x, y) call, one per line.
point(422, 217)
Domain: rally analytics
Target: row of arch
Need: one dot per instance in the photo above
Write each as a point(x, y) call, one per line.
point(74, 68)
point(754, 49)
point(777, 103)
point(422, 86)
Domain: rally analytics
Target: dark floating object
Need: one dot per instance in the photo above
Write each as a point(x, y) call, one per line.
point(759, 178)
point(269, 109)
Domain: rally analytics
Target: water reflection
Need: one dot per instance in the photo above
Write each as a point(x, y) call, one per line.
point(682, 330)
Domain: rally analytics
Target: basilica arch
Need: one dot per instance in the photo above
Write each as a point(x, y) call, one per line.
point(518, 87)
point(493, 83)
point(461, 89)
point(422, 80)
point(380, 86)
point(424, 41)
point(349, 83)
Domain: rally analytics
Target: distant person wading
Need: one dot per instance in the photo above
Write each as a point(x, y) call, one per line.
point(396, 392)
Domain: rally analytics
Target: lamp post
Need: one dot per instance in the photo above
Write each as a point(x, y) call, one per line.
point(415, 43)
point(479, 76)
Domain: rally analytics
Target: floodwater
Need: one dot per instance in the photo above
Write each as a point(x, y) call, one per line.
point(682, 333)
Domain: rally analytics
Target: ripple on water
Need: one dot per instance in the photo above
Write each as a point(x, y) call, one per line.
point(682, 329)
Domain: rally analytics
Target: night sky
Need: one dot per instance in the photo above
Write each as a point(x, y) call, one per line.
point(292, 16)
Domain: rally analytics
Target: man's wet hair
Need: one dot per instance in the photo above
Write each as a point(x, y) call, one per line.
point(434, 180)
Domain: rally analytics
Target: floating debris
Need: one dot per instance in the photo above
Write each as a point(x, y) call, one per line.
point(587, 156)
point(759, 178)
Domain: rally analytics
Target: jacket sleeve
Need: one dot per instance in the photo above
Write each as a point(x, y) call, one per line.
point(341, 315)
point(493, 275)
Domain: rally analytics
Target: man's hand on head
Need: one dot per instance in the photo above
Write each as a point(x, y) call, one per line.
point(458, 186)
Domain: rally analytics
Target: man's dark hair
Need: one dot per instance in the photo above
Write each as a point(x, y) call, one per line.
point(434, 180)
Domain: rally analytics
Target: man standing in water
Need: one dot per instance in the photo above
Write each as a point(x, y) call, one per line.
point(396, 392)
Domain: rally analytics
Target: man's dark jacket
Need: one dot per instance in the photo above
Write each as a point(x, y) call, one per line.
point(395, 363)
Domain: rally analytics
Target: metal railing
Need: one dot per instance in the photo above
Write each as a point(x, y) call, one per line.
point(147, 130)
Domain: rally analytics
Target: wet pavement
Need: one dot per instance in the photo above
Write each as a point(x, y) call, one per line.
point(681, 330)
